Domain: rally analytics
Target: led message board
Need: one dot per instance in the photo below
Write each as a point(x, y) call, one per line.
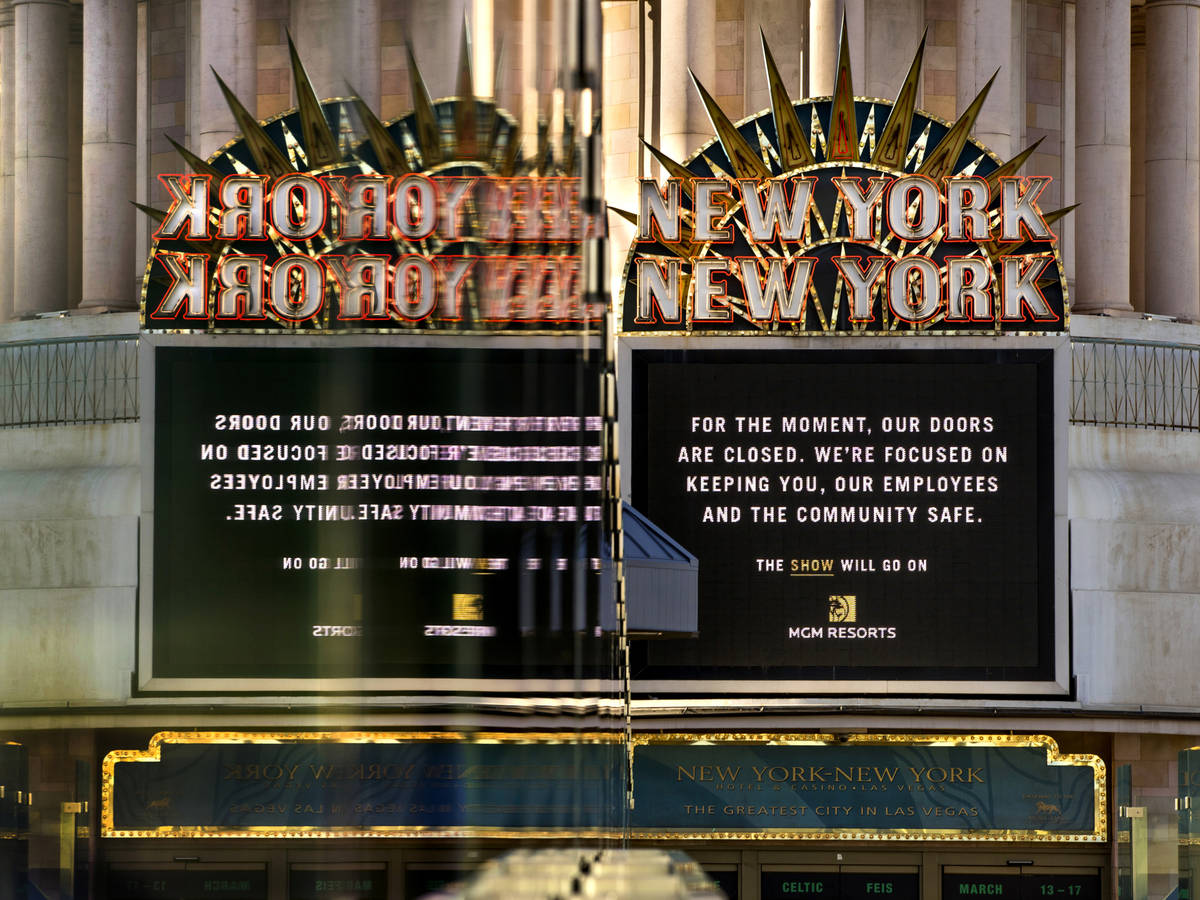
point(401, 514)
point(865, 521)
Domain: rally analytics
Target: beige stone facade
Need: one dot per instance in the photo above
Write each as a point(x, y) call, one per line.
point(1110, 88)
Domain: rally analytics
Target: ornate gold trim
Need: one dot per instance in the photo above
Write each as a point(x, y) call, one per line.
point(1054, 757)
point(153, 753)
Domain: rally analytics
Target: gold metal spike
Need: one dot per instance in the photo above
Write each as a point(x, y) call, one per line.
point(320, 145)
point(211, 247)
point(685, 248)
point(464, 116)
point(159, 215)
point(674, 169)
point(1011, 167)
point(512, 152)
point(493, 139)
point(428, 134)
point(570, 148)
point(294, 148)
point(268, 159)
point(625, 214)
point(941, 160)
point(499, 70)
point(996, 247)
point(542, 160)
point(867, 141)
point(1051, 217)
point(843, 120)
point(892, 145)
point(199, 166)
point(794, 151)
point(746, 163)
point(391, 156)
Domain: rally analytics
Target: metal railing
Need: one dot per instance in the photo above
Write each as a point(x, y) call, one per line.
point(1135, 384)
point(75, 381)
point(69, 381)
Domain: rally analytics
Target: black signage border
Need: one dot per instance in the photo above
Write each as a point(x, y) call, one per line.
point(479, 684)
point(721, 686)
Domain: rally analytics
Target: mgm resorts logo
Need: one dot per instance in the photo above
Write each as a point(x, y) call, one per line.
point(842, 610)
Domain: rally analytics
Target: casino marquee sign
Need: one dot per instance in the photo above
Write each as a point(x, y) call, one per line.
point(843, 215)
point(323, 218)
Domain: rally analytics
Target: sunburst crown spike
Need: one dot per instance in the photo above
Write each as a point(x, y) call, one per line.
point(674, 169)
point(429, 135)
point(499, 71)
point(892, 146)
point(542, 161)
point(842, 142)
point(199, 166)
point(210, 247)
point(391, 157)
point(794, 151)
point(268, 158)
point(320, 146)
point(744, 160)
point(997, 247)
point(464, 117)
point(1011, 167)
point(941, 161)
point(159, 215)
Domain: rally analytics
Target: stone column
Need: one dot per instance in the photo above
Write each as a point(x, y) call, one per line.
point(531, 73)
point(223, 38)
point(985, 42)
point(785, 35)
point(893, 31)
point(483, 47)
point(74, 89)
point(689, 36)
point(1172, 157)
point(435, 29)
point(1137, 163)
point(40, 155)
point(7, 126)
point(824, 35)
point(109, 153)
point(339, 45)
point(1102, 51)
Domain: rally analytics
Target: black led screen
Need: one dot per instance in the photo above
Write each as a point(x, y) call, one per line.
point(856, 514)
point(374, 512)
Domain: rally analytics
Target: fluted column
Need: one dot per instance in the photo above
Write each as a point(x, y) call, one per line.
point(985, 43)
point(74, 89)
point(1102, 59)
point(339, 44)
point(531, 72)
point(40, 155)
point(1137, 163)
point(7, 128)
point(893, 32)
point(1172, 157)
point(485, 29)
point(689, 36)
point(224, 39)
point(824, 35)
point(109, 152)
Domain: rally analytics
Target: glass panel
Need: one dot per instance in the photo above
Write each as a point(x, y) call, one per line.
point(337, 883)
point(187, 883)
